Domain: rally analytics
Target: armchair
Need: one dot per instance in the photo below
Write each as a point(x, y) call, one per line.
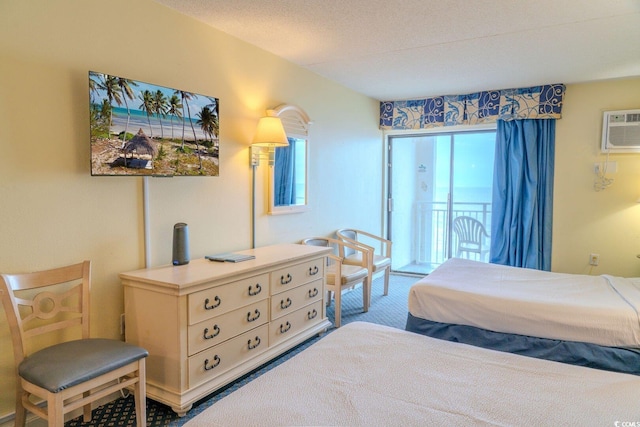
point(340, 275)
point(378, 260)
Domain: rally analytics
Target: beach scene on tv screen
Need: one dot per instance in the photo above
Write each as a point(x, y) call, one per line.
point(139, 128)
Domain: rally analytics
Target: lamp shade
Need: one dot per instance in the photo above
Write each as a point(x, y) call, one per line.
point(270, 133)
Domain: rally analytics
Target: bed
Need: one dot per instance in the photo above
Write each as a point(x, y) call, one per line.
point(372, 375)
point(579, 319)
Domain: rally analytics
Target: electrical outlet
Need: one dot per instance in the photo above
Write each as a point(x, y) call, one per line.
point(594, 259)
point(608, 167)
point(122, 324)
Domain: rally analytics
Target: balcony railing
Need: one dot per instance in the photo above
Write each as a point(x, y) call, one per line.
point(433, 235)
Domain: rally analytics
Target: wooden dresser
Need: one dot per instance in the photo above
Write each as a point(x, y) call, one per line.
point(207, 323)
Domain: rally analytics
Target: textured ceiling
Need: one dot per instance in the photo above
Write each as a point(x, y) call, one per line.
point(403, 49)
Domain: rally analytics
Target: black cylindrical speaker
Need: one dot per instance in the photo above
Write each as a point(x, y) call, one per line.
point(180, 244)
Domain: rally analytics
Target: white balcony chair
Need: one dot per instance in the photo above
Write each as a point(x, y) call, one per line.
point(471, 236)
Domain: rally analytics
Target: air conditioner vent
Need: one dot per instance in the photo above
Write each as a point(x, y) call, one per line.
point(633, 118)
point(621, 131)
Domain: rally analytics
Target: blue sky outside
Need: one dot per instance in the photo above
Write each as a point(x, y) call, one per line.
point(473, 166)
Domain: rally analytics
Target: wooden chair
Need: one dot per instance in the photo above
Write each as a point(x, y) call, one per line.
point(471, 235)
point(339, 275)
point(53, 306)
point(378, 261)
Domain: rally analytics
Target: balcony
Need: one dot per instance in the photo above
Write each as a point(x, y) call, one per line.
point(434, 242)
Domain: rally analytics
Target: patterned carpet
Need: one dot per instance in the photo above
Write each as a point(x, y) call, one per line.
point(388, 310)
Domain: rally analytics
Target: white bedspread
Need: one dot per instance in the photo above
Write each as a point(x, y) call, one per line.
point(597, 309)
point(371, 375)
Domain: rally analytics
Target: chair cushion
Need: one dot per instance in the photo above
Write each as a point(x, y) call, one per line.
point(379, 262)
point(350, 274)
point(66, 364)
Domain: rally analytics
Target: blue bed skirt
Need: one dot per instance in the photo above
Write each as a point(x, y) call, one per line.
point(616, 359)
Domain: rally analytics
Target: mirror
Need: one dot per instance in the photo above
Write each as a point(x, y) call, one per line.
point(288, 176)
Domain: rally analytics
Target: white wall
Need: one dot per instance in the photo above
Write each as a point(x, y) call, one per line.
point(584, 220)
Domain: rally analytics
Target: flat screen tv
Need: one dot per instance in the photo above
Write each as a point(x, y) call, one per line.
point(140, 129)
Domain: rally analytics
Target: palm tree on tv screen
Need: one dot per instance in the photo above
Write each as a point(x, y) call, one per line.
point(173, 109)
point(127, 92)
point(147, 106)
point(110, 85)
point(186, 96)
point(93, 86)
point(100, 114)
point(215, 123)
point(208, 122)
point(160, 108)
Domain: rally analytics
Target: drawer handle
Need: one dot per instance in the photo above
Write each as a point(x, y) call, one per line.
point(313, 271)
point(216, 362)
point(256, 292)
point(252, 346)
point(284, 328)
point(284, 281)
point(254, 318)
point(216, 331)
point(312, 314)
point(217, 300)
point(313, 293)
point(285, 304)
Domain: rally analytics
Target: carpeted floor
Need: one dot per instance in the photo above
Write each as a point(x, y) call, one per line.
point(388, 310)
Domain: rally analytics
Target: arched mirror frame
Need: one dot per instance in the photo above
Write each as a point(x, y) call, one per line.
point(296, 125)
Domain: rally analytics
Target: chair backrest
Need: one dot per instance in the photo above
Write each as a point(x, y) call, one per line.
point(321, 241)
point(46, 301)
point(316, 241)
point(470, 233)
point(348, 234)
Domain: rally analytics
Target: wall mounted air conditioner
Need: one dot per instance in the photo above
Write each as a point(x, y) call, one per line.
point(621, 131)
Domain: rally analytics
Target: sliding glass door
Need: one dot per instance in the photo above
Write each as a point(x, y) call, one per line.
point(433, 180)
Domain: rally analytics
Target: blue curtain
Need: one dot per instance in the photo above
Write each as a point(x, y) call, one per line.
point(523, 193)
point(284, 193)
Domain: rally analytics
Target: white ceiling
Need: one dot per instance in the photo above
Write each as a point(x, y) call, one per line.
point(403, 49)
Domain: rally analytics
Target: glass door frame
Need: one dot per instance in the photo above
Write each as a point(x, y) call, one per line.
point(388, 177)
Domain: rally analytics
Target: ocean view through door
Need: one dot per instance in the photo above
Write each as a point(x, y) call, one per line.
point(440, 187)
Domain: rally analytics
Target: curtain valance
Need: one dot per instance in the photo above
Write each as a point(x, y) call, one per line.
point(537, 102)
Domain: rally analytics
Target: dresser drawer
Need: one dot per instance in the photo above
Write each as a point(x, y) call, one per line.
point(218, 329)
point(295, 275)
point(222, 299)
point(212, 362)
point(293, 299)
point(289, 325)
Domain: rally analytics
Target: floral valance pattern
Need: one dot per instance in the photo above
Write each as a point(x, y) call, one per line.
point(538, 102)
